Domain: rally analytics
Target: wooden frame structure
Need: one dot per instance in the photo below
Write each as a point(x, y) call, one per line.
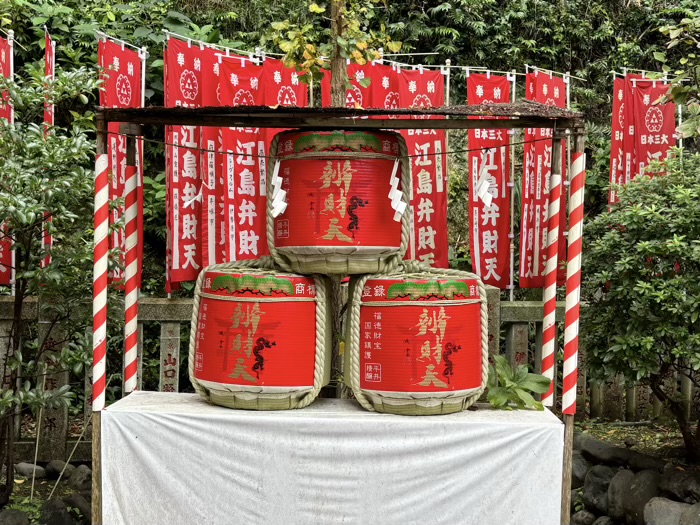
point(487, 116)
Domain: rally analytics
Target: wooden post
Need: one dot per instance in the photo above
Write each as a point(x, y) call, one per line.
point(579, 149)
point(53, 430)
point(101, 149)
point(631, 403)
point(596, 399)
point(97, 468)
point(686, 394)
point(493, 306)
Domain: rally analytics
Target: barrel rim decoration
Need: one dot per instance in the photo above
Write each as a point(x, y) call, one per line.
point(264, 398)
point(413, 403)
point(340, 260)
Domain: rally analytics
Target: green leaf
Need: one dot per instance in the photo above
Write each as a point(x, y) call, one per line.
point(661, 57)
point(365, 82)
point(535, 383)
point(315, 8)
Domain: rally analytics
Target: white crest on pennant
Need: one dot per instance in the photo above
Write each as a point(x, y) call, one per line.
point(286, 96)
point(216, 68)
point(391, 101)
point(654, 119)
point(243, 98)
point(497, 93)
point(234, 79)
point(115, 63)
point(647, 100)
point(130, 69)
point(360, 75)
point(385, 82)
point(479, 90)
point(189, 87)
point(619, 95)
point(253, 82)
point(295, 79)
point(556, 92)
point(197, 64)
point(123, 90)
point(412, 87)
point(431, 87)
point(545, 88)
point(353, 97)
point(180, 59)
point(278, 77)
point(422, 102)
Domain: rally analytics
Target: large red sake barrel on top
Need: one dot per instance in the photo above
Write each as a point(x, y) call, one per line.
point(417, 340)
point(259, 338)
point(337, 201)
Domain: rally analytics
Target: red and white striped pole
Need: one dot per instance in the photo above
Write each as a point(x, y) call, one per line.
point(100, 281)
point(549, 328)
point(131, 285)
point(573, 279)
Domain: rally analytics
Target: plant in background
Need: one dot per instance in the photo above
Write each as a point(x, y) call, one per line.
point(312, 46)
point(642, 287)
point(510, 388)
point(45, 175)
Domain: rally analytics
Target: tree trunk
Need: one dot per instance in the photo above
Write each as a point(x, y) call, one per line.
point(691, 440)
point(339, 70)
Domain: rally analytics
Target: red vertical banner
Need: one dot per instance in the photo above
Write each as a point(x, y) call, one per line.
point(628, 140)
point(212, 166)
point(6, 71)
point(655, 123)
point(6, 112)
point(357, 95)
point(384, 88)
point(183, 87)
point(245, 177)
point(426, 148)
point(489, 193)
point(549, 90)
point(121, 75)
point(49, 72)
point(617, 157)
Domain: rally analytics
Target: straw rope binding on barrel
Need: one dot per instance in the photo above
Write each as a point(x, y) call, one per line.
point(256, 398)
point(321, 262)
point(414, 403)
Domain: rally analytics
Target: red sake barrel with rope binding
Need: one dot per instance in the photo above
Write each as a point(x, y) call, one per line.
point(339, 216)
point(417, 343)
point(259, 338)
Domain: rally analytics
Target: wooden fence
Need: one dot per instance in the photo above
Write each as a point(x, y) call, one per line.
point(513, 326)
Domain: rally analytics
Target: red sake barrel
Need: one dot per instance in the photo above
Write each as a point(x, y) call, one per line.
point(417, 342)
point(339, 216)
point(255, 343)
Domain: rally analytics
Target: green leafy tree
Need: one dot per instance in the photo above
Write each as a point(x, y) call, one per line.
point(685, 89)
point(642, 287)
point(45, 174)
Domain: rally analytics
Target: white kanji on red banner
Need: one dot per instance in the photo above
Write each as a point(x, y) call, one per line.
point(183, 87)
point(489, 193)
point(422, 89)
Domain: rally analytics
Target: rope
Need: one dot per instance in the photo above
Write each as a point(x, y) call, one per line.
point(308, 263)
point(414, 270)
point(262, 400)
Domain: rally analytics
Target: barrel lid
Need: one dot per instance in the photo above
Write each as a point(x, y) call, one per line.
point(236, 284)
point(298, 142)
point(383, 289)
